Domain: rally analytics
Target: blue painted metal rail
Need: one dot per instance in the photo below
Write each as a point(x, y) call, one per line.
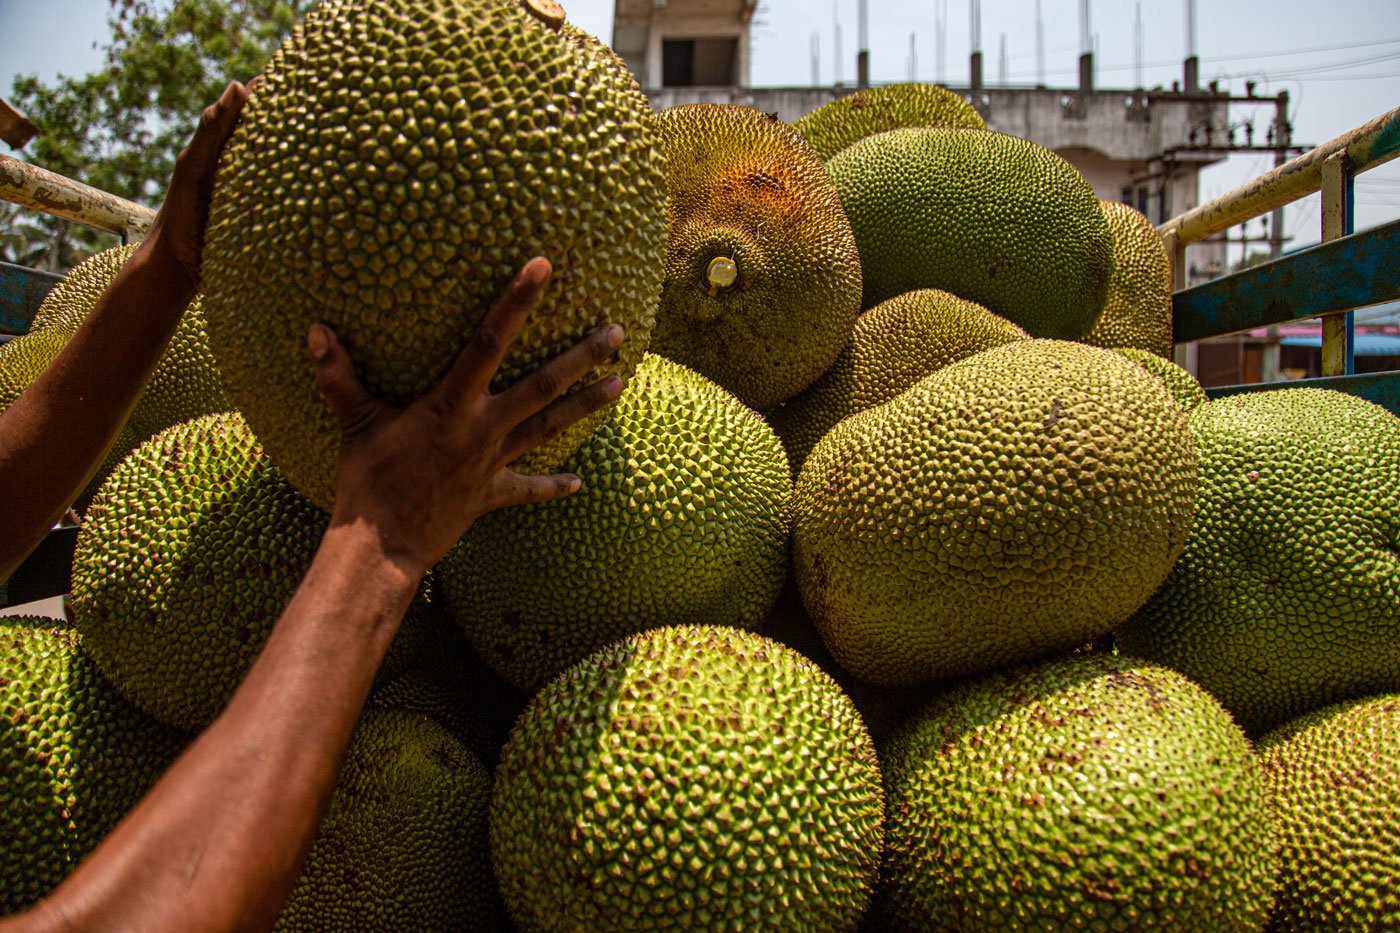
point(1347, 271)
point(21, 292)
point(1342, 274)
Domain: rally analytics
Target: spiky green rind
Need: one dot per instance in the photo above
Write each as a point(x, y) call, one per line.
point(21, 362)
point(185, 383)
point(1138, 309)
point(1089, 793)
point(1287, 597)
point(404, 843)
point(74, 757)
point(400, 161)
point(836, 125)
point(894, 345)
point(190, 552)
point(744, 187)
point(688, 778)
point(74, 296)
point(1334, 783)
point(991, 218)
point(682, 519)
point(1011, 506)
point(1182, 385)
point(449, 683)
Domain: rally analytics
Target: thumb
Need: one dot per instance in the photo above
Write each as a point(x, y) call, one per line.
point(335, 378)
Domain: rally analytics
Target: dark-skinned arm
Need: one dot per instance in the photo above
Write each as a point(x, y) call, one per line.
point(56, 433)
point(219, 841)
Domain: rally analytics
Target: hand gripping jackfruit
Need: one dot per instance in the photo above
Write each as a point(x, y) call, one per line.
point(398, 163)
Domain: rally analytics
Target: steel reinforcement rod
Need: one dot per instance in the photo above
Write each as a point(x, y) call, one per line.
point(37, 188)
point(1367, 146)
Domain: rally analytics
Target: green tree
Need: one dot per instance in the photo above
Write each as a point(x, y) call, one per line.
point(120, 127)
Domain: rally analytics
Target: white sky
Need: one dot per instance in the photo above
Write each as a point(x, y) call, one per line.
point(1340, 61)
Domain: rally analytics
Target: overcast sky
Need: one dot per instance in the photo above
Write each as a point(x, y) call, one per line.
point(1340, 60)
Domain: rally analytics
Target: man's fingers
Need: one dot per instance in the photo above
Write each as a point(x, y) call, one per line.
point(216, 124)
point(520, 489)
point(548, 424)
point(336, 380)
point(472, 371)
point(544, 385)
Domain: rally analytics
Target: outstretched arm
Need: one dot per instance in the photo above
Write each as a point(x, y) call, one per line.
point(57, 432)
point(219, 842)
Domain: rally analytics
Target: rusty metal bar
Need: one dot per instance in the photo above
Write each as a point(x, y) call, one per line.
point(1337, 352)
point(1365, 147)
point(34, 187)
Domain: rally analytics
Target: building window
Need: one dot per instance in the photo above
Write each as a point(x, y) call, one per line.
point(690, 62)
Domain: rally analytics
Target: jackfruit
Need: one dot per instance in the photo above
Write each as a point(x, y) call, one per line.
point(894, 345)
point(991, 218)
point(845, 120)
point(692, 777)
point(881, 708)
point(1181, 384)
point(189, 554)
point(1011, 506)
point(1287, 598)
point(185, 383)
point(449, 683)
point(762, 279)
point(21, 362)
point(1138, 309)
point(1334, 784)
point(71, 300)
point(1090, 793)
point(398, 163)
point(685, 497)
point(74, 756)
point(404, 843)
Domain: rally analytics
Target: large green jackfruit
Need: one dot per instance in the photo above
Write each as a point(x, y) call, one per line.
point(689, 778)
point(682, 519)
point(449, 683)
point(991, 218)
point(74, 757)
point(894, 345)
point(21, 362)
point(1138, 309)
point(1189, 393)
point(190, 552)
point(1090, 793)
point(71, 300)
point(398, 163)
point(1334, 783)
point(762, 276)
point(1287, 597)
point(185, 383)
point(1011, 506)
point(404, 844)
point(845, 120)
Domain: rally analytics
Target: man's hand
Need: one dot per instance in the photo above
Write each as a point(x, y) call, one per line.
point(178, 232)
point(421, 475)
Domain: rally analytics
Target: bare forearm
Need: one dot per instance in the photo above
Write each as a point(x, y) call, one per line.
point(54, 436)
point(219, 842)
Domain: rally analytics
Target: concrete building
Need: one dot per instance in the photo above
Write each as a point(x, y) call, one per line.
point(1145, 148)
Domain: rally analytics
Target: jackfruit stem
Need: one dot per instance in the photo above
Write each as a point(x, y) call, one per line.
point(722, 273)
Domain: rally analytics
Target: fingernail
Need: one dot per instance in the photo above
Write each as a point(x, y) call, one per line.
point(614, 336)
point(614, 387)
point(538, 271)
point(575, 484)
point(318, 342)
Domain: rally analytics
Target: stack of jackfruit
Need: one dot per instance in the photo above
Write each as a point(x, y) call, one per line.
point(910, 585)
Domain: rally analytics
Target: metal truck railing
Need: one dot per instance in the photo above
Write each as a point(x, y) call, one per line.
point(1347, 270)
